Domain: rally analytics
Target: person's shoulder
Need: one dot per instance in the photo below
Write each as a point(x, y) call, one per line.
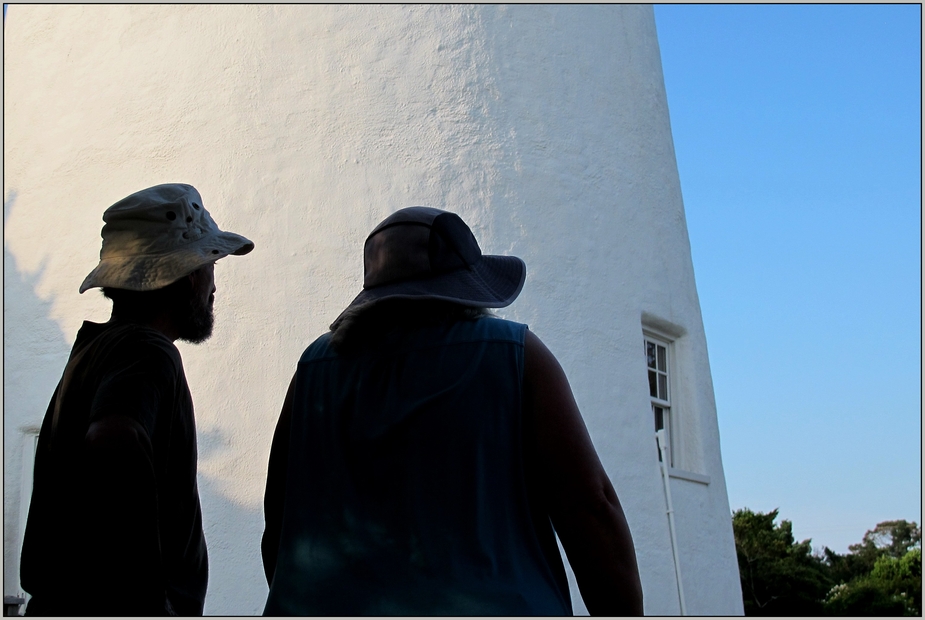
point(497, 328)
point(319, 349)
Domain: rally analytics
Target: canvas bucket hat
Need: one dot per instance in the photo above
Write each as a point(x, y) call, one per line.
point(428, 253)
point(156, 236)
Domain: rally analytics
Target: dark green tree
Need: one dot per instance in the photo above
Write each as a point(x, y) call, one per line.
point(881, 575)
point(891, 538)
point(888, 538)
point(779, 576)
point(844, 568)
point(902, 579)
point(862, 598)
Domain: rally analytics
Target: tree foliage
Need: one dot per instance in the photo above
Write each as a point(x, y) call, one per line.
point(891, 538)
point(780, 577)
point(880, 576)
point(893, 587)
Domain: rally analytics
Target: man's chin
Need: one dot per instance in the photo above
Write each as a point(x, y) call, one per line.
point(198, 332)
point(197, 323)
point(196, 339)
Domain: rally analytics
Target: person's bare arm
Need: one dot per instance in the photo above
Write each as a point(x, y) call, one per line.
point(274, 497)
point(582, 503)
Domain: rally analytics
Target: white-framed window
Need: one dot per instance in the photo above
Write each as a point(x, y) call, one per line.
point(658, 364)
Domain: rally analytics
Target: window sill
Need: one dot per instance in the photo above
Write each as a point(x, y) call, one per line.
point(688, 475)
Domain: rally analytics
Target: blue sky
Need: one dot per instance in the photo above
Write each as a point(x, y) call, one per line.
point(797, 130)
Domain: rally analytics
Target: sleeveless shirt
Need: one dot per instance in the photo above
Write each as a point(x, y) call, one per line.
point(405, 487)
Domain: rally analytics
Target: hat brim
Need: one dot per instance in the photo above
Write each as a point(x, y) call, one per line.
point(148, 272)
point(492, 282)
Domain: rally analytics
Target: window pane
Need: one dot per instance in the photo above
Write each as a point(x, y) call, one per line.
point(662, 365)
point(659, 424)
point(650, 354)
point(662, 386)
point(653, 384)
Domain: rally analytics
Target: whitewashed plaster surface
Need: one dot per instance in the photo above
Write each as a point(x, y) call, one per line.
point(545, 127)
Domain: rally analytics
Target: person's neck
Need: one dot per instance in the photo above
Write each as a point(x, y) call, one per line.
point(160, 322)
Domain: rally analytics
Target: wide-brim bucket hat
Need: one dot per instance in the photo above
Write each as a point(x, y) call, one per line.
point(428, 253)
point(156, 236)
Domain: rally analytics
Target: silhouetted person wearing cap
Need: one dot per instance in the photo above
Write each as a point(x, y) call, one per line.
point(426, 450)
point(115, 526)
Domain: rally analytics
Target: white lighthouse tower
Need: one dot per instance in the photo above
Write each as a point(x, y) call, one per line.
point(545, 127)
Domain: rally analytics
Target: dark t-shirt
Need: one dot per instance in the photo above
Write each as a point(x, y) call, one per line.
point(117, 531)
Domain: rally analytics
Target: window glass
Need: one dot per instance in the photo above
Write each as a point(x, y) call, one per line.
point(657, 373)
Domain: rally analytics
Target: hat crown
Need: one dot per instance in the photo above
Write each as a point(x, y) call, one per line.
point(155, 219)
point(415, 243)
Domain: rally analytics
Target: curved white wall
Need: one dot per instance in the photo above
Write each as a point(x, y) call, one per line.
point(545, 127)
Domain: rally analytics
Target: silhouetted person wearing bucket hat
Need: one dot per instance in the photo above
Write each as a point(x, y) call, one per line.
point(426, 450)
point(115, 526)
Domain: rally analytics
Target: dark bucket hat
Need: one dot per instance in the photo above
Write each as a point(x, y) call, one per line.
point(427, 253)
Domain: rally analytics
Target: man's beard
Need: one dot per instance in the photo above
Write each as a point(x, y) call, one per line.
point(197, 321)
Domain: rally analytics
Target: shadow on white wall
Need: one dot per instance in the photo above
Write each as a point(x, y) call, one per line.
point(30, 333)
